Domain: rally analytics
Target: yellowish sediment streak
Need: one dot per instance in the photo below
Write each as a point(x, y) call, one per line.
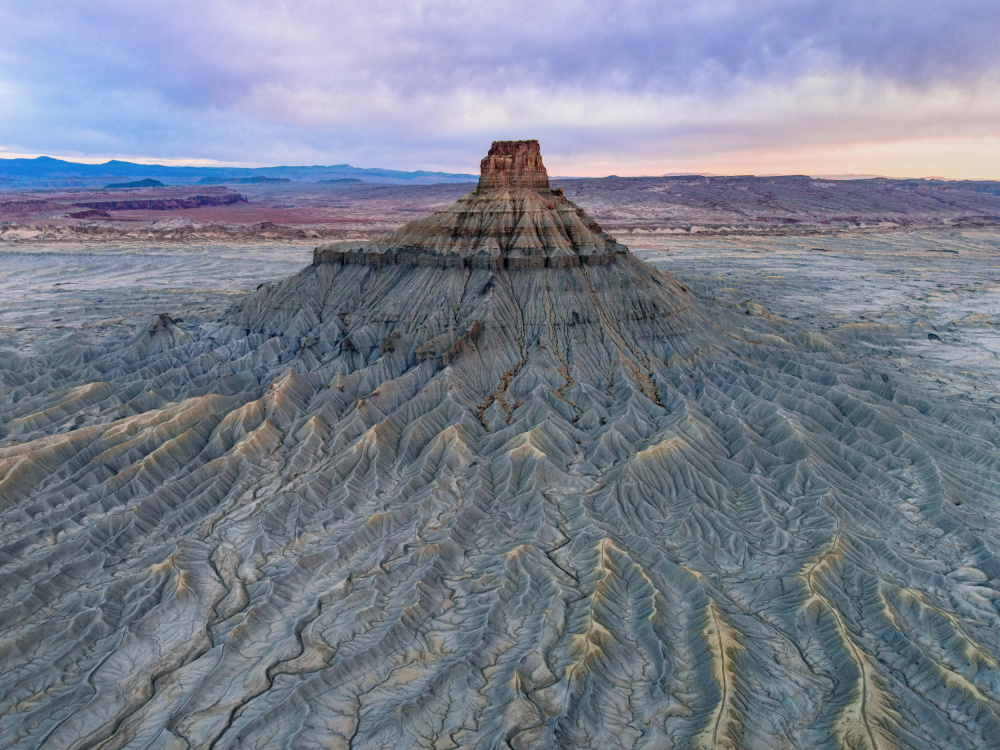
point(722, 732)
point(973, 651)
point(662, 448)
point(586, 647)
point(861, 724)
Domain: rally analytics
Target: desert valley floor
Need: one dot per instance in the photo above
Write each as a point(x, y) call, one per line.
point(934, 294)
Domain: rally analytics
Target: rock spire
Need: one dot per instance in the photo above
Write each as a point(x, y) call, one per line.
point(511, 220)
point(513, 164)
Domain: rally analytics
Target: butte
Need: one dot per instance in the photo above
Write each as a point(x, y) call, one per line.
point(491, 481)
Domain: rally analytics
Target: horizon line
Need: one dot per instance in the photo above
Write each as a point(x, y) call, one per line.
point(202, 163)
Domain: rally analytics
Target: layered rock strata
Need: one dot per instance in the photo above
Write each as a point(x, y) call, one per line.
point(511, 220)
point(421, 504)
point(513, 164)
point(164, 204)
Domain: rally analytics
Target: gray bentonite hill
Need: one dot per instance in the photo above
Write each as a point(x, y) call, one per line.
point(490, 481)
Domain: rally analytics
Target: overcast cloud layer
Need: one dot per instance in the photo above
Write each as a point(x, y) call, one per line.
point(899, 87)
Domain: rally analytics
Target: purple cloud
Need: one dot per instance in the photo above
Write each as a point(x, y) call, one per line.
point(428, 83)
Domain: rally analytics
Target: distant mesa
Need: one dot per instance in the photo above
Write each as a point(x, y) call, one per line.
point(255, 180)
point(165, 204)
point(342, 181)
point(147, 183)
point(90, 213)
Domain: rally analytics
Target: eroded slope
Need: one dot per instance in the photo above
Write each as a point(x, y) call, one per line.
point(402, 506)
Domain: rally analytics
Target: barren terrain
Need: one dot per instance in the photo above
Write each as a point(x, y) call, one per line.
point(495, 481)
point(630, 207)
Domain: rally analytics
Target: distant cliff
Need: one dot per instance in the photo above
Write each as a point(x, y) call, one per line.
point(165, 204)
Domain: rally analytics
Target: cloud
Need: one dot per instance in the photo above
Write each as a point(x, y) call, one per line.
point(428, 84)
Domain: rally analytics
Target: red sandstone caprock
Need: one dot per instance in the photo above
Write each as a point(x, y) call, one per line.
point(513, 164)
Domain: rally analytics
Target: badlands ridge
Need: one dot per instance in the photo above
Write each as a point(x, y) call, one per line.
point(491, 481)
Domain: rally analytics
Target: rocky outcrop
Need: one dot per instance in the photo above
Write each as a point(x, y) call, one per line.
point(91, 213)
point(513, 164)
point(147, 183)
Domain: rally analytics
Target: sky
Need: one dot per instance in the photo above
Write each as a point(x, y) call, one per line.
point(903, 88)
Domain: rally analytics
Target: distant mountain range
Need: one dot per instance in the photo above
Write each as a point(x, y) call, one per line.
point(44, 171)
